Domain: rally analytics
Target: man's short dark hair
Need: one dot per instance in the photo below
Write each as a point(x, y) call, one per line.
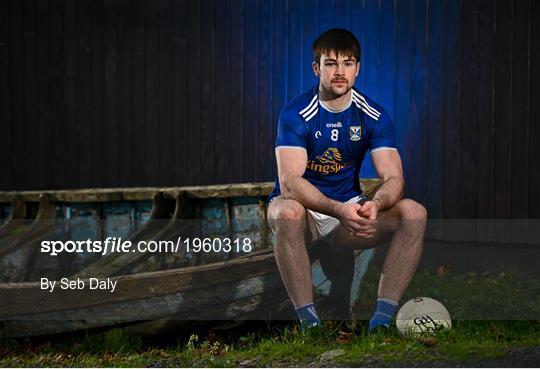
point(338, 40)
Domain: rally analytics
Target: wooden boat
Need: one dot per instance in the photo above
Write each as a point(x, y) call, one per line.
point(154, 290)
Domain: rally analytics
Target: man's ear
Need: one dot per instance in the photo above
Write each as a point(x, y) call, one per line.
point(357, 68)
point(316, 69)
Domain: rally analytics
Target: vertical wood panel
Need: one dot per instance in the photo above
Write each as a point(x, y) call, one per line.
point(83, 139)
point(486, 57)
point(192, 154)
point(17, 96)
point(151, 89)
point(58, 173)
point(100, 151)
point(340, 13)
point(417, 136)
point(235, 97)
point(469, 119)
point(451, 92)
point(207, 96)
point(138, 97)
point(435, 163)
point(223, 85)
point(404, 59)
point(43, 83)
point(180, 122)
point(387, 60)
point(503, 116)
point(251, 86)
point(125, 91)
point(356, 19)
point(166, 138)
point(294, 43)
point(519, 206)
point(279, 74)
point(309, 33)
point(6, 75)
point(371, 66)
point(534, 127)
point(109, 140)
point(70, 96)
point(265, 92)
point(30, 93)
point(324, 12)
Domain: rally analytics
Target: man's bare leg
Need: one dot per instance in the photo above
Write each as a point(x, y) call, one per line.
point(404, 252)
point(293, 230)
point(407, 222)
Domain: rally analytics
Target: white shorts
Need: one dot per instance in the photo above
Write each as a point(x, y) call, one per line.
point(326, 224)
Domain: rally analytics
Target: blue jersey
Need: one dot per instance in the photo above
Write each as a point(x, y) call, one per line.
point(335, 141)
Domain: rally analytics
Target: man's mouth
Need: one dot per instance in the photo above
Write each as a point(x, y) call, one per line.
point(339, 81)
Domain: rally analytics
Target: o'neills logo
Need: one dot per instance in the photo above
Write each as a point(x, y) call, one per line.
point(328, 162)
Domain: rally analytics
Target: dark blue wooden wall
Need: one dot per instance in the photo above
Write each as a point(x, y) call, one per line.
point(101, 93)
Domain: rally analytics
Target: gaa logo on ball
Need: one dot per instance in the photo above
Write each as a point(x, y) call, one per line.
point(422, 315)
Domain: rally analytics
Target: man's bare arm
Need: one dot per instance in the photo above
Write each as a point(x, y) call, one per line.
point(291, 163)
point(388, 166)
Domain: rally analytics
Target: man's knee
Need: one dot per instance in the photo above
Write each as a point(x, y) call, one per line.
point(285, 209)
point(411, 210)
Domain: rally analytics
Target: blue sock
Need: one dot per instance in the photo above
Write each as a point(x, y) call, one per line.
point(382, 317)
point(308, 316)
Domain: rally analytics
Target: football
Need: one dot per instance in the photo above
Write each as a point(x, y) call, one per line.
point(421, 316)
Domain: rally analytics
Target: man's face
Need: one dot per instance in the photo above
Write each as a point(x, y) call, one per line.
point(337, 73)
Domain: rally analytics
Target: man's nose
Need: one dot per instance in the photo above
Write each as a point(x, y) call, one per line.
point(340, 69)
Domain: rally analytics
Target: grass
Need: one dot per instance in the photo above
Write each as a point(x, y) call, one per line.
point(502, 295)
point(467, 296)
point(279, 346)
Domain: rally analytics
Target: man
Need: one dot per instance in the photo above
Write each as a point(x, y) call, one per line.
point(322, 138)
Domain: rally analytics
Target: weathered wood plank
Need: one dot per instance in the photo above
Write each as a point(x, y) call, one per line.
point(28, 298)
point(187, 293)
point(16, 224)
point(42, 225)
point(147, 193)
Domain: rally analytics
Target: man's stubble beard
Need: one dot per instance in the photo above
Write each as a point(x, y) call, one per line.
point(330, 94)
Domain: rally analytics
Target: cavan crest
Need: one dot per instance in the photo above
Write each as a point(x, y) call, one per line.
point(355, 133)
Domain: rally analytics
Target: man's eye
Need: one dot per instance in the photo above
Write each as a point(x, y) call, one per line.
point(330, 64)
point(349, 64)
